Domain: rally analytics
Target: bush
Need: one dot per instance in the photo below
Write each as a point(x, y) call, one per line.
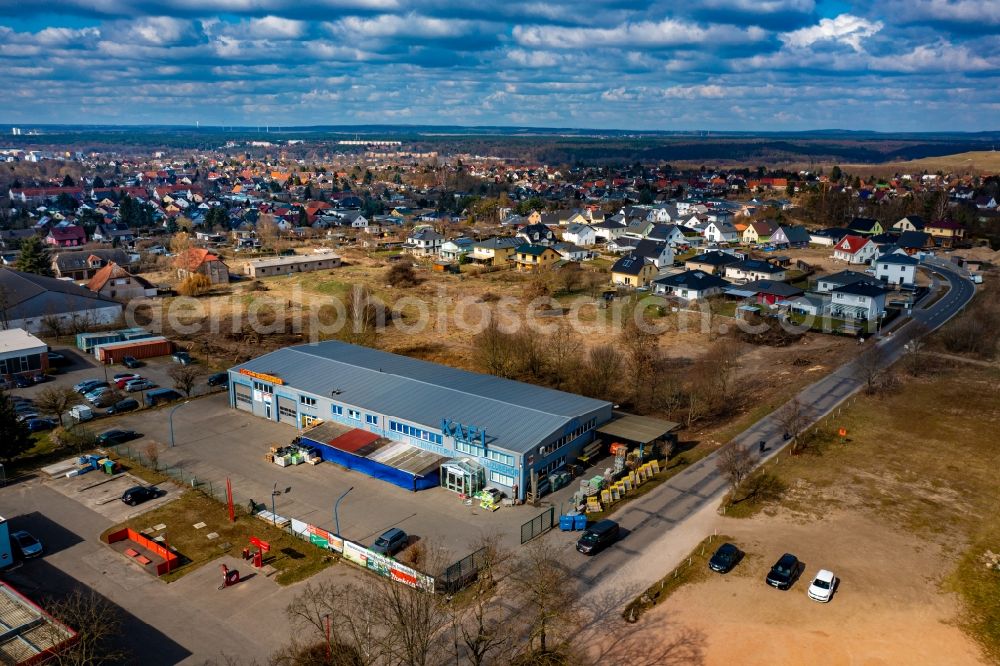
point(194, 285)
point(402, 275)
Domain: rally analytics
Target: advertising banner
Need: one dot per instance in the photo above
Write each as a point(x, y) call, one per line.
point(386, 566)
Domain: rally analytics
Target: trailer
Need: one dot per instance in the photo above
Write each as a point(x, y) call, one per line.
point(114, 352)
point(87, 341)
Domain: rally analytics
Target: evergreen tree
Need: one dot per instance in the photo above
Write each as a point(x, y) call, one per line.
point(14, 436)
point(98, 182)
point(68, 181)
point(34, 257)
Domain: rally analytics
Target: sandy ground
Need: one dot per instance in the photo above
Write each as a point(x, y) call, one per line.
point(888, 609)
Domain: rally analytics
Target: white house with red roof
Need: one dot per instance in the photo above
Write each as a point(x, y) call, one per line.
point(855, 250)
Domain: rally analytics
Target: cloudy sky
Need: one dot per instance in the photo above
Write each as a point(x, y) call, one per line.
point(631, 64)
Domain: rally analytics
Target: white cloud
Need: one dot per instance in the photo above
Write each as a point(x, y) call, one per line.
point(665, 33)
point(846, 29)
point(392, 25)
point(763, 6)
point(526, 58)
point(276, 27)
point(708, 91)
point(154, 30)
point(66, 36)
point(983, 12)
point(939, 57)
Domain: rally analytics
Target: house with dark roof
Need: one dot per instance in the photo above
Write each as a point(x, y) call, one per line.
point(38, 304)
point(424, 241)
point(689, 285)
point(790, 236)
point(828, 283)
point(859, 300)
point(113, 232)
point(633, 270)
point(912, 242)
point(497, 251)
point(713, 261)
point(66, 235)
point(10, 239)
point(609, 229)
point(771, 292)
point(910, 223)
point(116, 283)
point(537, 234)
point(83, 264)
point(532, 258)
point(864, 226)
point(196, 260)
point(749, 270)
point(946, 233)
point(759, 233)
point(659, 252)
point(897, 269)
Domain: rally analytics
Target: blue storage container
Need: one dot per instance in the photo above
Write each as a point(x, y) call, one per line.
point(566, 523)
point(580, 522)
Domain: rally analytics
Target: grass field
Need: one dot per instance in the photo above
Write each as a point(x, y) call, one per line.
point(925, 459)
point(293, 558)
point(980, 161)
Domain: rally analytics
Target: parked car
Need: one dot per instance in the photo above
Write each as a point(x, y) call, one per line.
point(131, 362)
point(117, 436)
point(39, 378)
point(41, 424)
point(725, 558)
point(81, 412)
point(56, 359)
point(126, 405)
point(218, 379)
point(181, 357)
point(597, 537)
point(122, 381)
point(157, 396)
point(138, 385)
point(24, 407)
point(27, 545)
point(391, 542)
point(88, 384)
point(21, 381)
point(139, 494)
point(27, 416)
point(822, 587)
point(96, 394)
point(783, 573)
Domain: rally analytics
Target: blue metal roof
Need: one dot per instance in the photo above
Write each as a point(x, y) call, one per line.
point(515, 415)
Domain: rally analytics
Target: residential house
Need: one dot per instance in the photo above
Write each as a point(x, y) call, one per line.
point(670, 234)
point(113, 232)
point(533, 258)
point(424, 241)
point(910, 223)
point(897, 269)
point(660, 253)
point(66, 235)
point(537, 234)
point(116, 283)
point(623, 244)
point(790, 236)
point(11, 238)
point(771, 292)
point(456, 249)
point(828, 283)
point(855, 250)
point(986, 202)
point(639, 227)
point(721, 232)
point(863, 226)
point(37, 303)
point(196, 260)
point(749, 270)
point(689, 285)
point(828, 237)
point(580, 234)
point(84, 264)
point(759, 233)
point(499, 251)
point(912, 242)
point(859, 300)
point(571, 252)
point(633, 270)
point(712, 262)
point(946, 233)
point(609, 229)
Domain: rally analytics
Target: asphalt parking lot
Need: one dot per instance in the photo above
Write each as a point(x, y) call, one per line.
point(213, 442)
point(102, 493)
point(80, 367)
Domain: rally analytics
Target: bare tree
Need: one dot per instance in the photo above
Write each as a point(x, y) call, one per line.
point(184, 378)
point(914, 348)
point(97, 623)
point(870, 368)
point(547, 595)
point(600, 376)
point(735, 461)
point(564, 353)
point(334, 618)
point(495, 350)
point(642, 355)
point(362, 317)
point(481, 634)
point(56, 401)
point(794, 418)
point(413, 620)
point(530, 355)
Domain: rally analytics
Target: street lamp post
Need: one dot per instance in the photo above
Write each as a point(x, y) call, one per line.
point(274, 493)
point(336, 516)
point(170, 420)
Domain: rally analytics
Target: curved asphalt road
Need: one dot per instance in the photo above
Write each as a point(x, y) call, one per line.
point(653, 539)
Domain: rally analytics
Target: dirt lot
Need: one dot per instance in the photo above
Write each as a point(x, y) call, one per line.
point(888, 608)
point(102, 493)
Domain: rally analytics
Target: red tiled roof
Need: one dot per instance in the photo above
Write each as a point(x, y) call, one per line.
point(192, 258)
point(852, 243)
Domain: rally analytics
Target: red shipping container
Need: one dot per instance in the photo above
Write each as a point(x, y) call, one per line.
point(142, 348)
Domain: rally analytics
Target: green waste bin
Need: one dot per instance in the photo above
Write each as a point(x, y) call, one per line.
point(109, 466)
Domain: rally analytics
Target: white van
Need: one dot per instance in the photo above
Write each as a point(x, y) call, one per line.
point(81, 413)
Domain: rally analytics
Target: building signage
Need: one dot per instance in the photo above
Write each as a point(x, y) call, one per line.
point(466, 434)
point(262, 376)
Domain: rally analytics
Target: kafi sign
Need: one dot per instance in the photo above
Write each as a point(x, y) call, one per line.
point(466, 434)
point(264, 377)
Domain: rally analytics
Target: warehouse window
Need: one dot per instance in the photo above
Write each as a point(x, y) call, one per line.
point(354, 414)
point(371, 419)
point(411, 431)
point(468, 448)
point(306, 400)
point(502, 479)
point(337, 410)
point(501, 457)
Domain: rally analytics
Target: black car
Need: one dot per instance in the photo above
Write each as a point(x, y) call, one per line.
point(131, 362)
point(90, 385)
point(22, 382)
point(41, 425)
point(725, 558)
point(139, 494)
point(181, 357)
point(126, 405)
point(597, 537)
point(55, 359)
point(218, 379)
point(117, 436)
point(783, 573)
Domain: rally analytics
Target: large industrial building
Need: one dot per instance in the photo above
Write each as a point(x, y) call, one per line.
point(438, 424)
